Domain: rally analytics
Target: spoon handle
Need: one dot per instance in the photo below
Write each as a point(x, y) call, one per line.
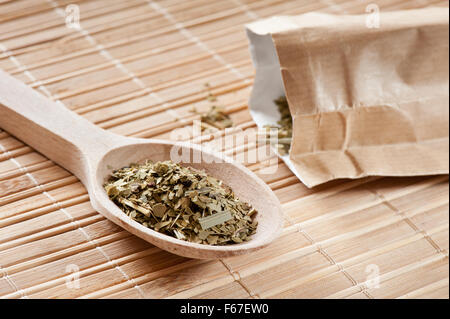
point(60, 134)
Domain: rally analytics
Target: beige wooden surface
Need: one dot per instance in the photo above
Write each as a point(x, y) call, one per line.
point(136, 68)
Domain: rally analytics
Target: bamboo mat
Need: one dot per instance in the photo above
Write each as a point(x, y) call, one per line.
point(136, 67)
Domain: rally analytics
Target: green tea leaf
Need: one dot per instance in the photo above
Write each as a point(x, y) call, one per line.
point(213, 220)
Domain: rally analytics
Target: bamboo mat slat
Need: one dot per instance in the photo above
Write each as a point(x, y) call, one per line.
point(137, 68)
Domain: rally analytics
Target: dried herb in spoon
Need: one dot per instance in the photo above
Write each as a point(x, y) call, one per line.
point(181, 202)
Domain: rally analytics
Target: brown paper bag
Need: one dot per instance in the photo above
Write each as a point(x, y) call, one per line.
point(365, 100)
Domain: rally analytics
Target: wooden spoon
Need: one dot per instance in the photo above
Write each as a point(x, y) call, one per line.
point(91, 153)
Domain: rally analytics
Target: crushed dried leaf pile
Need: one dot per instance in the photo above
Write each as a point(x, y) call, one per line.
point(182, 202)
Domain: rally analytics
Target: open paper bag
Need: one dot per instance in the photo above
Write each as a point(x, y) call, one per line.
point(365, 99)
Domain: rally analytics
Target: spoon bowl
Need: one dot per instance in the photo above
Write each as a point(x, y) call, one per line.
point(92, 154)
